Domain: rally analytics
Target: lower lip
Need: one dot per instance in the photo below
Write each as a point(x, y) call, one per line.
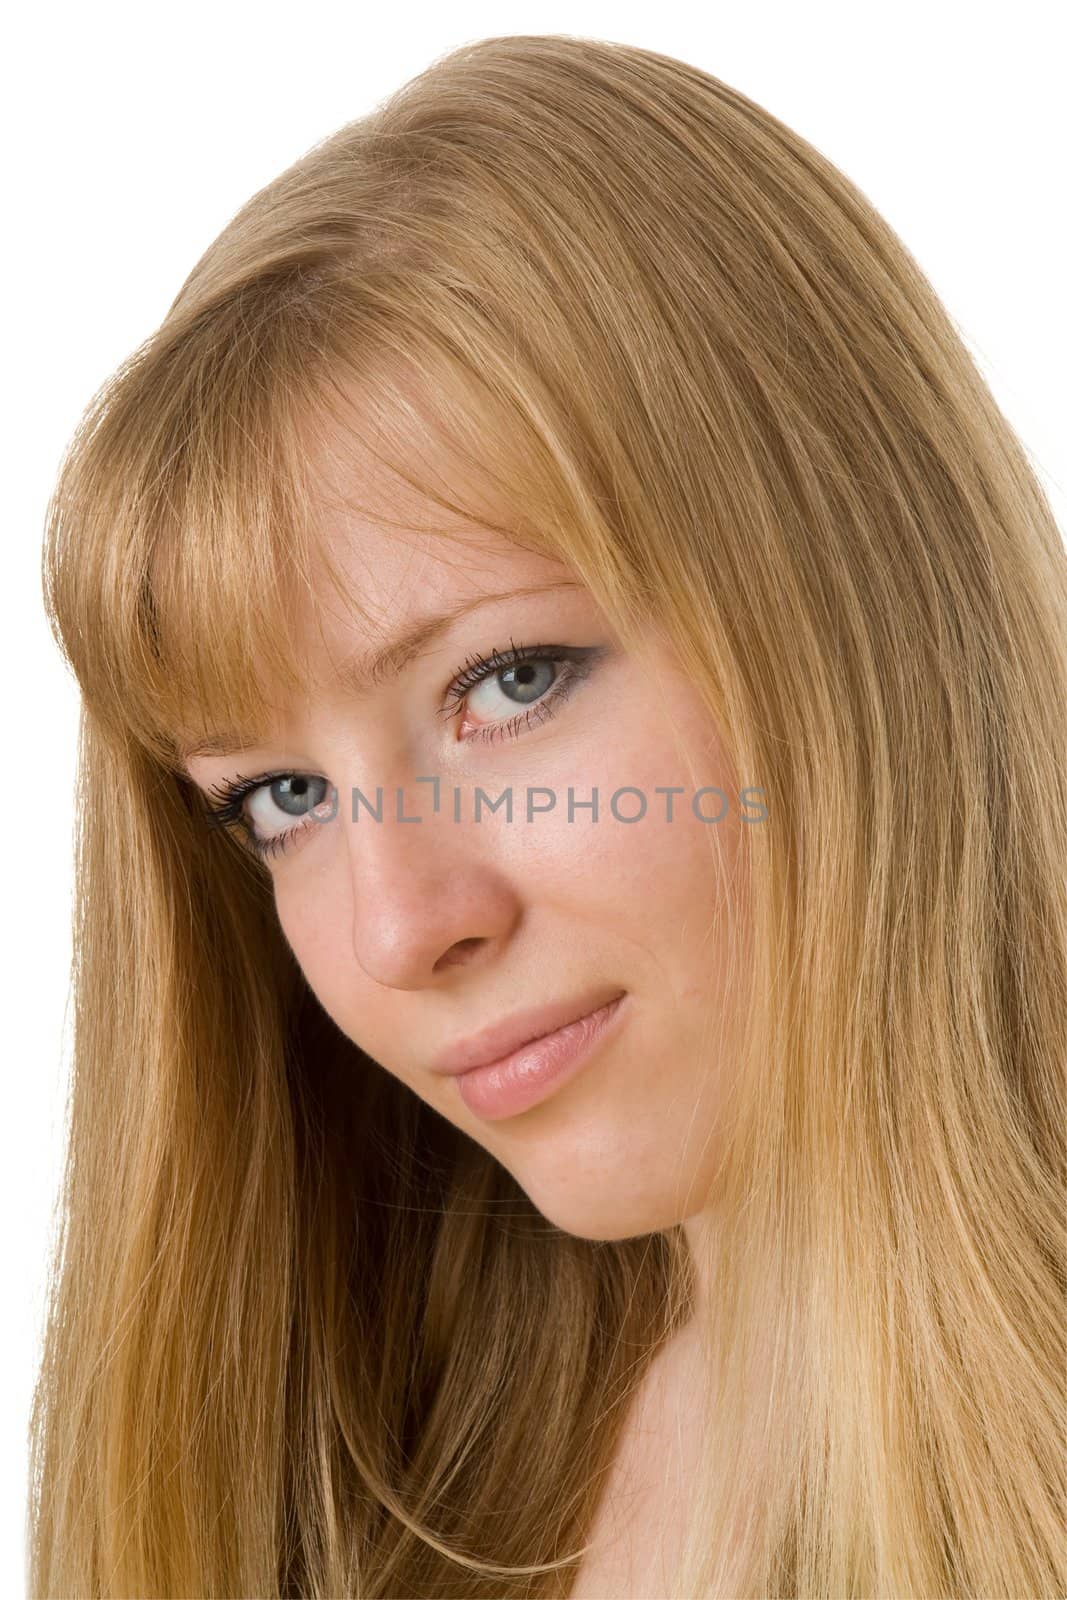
point(530, 1075)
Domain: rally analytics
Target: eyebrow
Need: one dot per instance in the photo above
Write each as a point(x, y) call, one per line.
point(358, 674)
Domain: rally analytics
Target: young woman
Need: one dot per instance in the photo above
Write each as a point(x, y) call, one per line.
point(556, 575)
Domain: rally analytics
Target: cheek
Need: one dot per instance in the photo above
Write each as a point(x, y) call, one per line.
point(673, 891)
point(671, 876)
point(314, 909)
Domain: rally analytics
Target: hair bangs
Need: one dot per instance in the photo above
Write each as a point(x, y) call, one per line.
point(466, 437)
point(225, 441)
point(176, 539)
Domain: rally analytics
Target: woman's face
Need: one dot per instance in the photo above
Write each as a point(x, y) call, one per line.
point(416, 935)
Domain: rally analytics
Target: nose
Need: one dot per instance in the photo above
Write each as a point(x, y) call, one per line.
point(427, 895)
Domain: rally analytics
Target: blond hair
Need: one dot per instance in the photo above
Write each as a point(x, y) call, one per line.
point(307, 1338)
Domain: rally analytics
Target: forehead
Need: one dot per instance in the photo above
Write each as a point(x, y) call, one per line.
point(387, 554)
point(385, 517)
point(384, 583)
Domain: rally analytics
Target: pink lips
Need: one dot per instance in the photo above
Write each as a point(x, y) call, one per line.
point(514, 1065)
point(502, 1038)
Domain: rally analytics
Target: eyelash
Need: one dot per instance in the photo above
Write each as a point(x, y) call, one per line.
point(476, 669)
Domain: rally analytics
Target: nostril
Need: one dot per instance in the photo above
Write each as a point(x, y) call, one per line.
point(459, 952)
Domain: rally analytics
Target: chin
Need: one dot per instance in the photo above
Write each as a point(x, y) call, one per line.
point(612, 1213)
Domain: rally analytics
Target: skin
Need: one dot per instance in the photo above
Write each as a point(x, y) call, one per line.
point(639, 1525)
point(413, 936)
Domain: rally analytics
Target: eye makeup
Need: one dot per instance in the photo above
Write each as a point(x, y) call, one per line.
point(518, 665)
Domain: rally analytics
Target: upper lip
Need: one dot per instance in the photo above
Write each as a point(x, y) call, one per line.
point(504, 1038)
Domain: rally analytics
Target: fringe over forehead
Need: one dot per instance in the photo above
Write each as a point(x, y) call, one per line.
point(185, 534)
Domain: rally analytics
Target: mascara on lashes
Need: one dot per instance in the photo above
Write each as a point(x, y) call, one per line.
point(579, 661)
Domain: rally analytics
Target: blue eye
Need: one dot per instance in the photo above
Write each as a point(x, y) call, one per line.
point(534, 678)
point(287, 789)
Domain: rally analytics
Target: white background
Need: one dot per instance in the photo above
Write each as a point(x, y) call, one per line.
point(134, 132)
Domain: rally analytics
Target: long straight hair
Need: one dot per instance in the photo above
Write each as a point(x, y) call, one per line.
point(305, 1336)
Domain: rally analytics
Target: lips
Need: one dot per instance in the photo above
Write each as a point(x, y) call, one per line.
point(503, 1038)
